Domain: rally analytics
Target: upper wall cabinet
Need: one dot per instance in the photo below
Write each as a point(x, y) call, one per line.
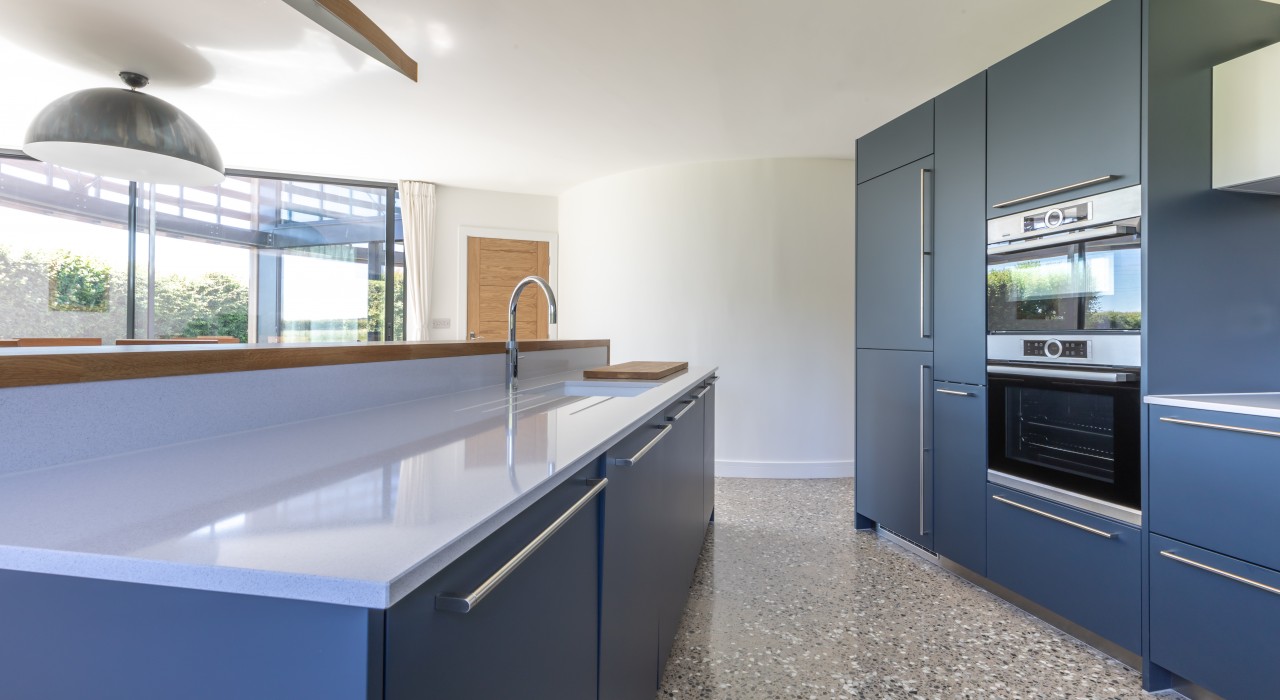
point(1064, 114)
point(1246, 123)
point(903, 140)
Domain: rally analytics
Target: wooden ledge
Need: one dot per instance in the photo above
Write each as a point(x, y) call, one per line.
point(70, 365)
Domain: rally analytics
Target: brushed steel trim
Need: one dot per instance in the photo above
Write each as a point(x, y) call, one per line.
point(1218, 426)
point(1117, 206)
point(1094, 640)
point(1093, 531)
point(1053, 240)
point(688, 407)
point(951, 392)
point(1106, 348)
point(453, 602)
point(905, 543)
point(1083, 375)
point(1056, 190)
point(643, 450)
point(1088, 504)
point(1168, 554)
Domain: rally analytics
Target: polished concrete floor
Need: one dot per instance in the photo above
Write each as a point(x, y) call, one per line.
point(790, 602)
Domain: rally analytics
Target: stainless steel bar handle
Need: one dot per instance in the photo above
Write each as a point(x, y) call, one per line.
point(923, 252)
point(1083, 375)
point(643, 450)
point(952, 392)
point(1051, 516)
point(1056, 190)
point(683, 411)
point(702, 393)
point(1220, 572)
point(1217, 426)
point(452, 602)
point(923, 449)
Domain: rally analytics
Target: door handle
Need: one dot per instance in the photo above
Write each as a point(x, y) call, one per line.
point(643, 450)
point(684, 410)
point(923, 449)
point(1051, 516)
point(923, 252)
point(1056, 190)
point(1219, 426)
point(452, 602)
point(951, 392)
point(1220, 572)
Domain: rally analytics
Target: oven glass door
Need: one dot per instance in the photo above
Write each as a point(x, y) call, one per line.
point(1080, 436)
point(1091, 286)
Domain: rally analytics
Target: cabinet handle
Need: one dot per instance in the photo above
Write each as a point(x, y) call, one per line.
point(923, 253)
point(1220, 572)
point(923, 532)
point(702, 393)
point(1216, 426)
point(950, 392)
point(643, 450)
point(452, 602)
point(1051, 516)
point(683, 411)
point(1056, 190)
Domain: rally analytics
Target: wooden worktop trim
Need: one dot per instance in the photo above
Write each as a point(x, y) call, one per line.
point(73, 365)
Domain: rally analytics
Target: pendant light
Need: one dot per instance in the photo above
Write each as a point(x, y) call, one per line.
point(125, 134)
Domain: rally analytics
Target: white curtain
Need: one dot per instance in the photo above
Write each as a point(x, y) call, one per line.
point(418, 208)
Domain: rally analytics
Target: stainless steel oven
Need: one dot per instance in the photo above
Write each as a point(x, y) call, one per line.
point(1067, 280)
point(1069, 434)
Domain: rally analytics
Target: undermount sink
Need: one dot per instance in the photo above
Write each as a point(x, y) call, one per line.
point(593, 388)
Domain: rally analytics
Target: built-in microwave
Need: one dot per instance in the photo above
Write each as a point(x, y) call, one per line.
point(1066, 433)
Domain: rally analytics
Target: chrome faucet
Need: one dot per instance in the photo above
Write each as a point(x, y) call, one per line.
point(513, 352)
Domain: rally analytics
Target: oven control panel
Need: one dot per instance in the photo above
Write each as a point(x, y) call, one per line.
point(1074, 349)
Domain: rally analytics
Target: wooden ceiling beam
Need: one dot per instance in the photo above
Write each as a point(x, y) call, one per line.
point(343, 19)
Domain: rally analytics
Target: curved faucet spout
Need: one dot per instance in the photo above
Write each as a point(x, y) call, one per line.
point(513, 351)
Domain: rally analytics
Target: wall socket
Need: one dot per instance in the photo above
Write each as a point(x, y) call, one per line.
point(439, 324)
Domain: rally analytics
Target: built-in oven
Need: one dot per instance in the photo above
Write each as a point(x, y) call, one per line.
point(1070, 277)
point(1067, 433)
point(1064, 352)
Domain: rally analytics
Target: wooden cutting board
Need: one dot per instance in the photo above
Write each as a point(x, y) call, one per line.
point(636, 370)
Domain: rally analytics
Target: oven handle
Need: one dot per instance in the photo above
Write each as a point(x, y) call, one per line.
point(1082, 375)
point(1053, 240)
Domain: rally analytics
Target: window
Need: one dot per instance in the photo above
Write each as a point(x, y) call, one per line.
point(259, 258)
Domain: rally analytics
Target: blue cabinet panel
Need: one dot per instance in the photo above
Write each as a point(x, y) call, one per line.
point(1214, 630)
point(1216, 488)
point(894, 268)
point(709, 455)
point(534, 636)
point(905, 139)
point(960, 474)
point(960, 235)
point(1067, 109)
point(894, 415)
point(1090, 578)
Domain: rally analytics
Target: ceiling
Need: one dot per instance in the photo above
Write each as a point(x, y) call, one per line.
point(519, 95)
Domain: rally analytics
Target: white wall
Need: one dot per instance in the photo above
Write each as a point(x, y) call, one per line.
point(458, 207)
point(743, 264)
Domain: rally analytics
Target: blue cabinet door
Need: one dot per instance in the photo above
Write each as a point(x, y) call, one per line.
point(709, 455)
point(894, 472)
point(1213, 485)
point(630, 567)
point(894, 251)
point(534, 636)
point(1214, 620)
point(1067, 110)
point(1078, 565)
point(960, 241)
point(684, 529)
point(960, 474)
point(905, 139)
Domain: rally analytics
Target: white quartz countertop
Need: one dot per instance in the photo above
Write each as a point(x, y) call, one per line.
point(1254, 404)
point(353, 509)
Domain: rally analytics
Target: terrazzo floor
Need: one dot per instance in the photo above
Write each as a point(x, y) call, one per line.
point(790, 602)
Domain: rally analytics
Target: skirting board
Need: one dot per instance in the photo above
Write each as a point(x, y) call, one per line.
point(785, 470)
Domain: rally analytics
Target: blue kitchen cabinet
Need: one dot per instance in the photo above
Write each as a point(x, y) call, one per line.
point(960, 474)
point(709, 453)
point(1066, 111)
point(684, 528)
point(894, 467)
point(1213, 484)
point(960, 242)
point(1214, 619)
point(905, 139)
point(1078, 565)
point(533, 636)
point(894, 251)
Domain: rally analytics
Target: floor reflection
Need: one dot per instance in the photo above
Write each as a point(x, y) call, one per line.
point(790, 602)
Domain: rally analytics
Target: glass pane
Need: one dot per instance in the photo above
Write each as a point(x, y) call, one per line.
point(1034, 290)
point(1113, 284)
point(400, 291)
point(204, 248)
point(1068, 431)
point(63, 252)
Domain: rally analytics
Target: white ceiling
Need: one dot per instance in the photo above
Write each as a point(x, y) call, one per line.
point(519, 95)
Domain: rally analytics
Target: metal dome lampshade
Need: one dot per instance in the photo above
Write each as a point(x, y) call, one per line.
point(125, 134)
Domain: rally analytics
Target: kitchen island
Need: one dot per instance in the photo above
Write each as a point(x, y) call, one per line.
point(336, 550)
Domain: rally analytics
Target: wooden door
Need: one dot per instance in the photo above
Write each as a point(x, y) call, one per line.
point(494, 267)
